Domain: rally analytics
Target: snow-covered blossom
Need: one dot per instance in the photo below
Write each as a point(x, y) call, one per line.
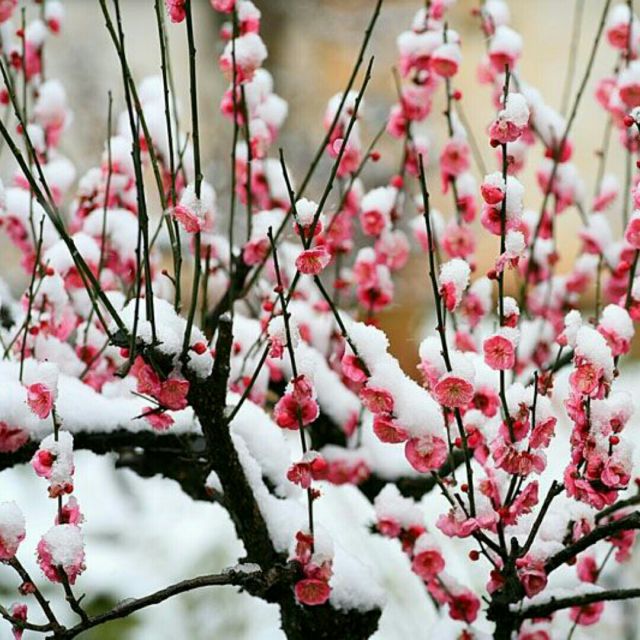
point(306, 211)
point(428, 562)
point(454, 279)
point(455, 387)
point(445, 59)
point(249, 53)
point(298, 406)
point(629, 85)
point(376, 208)
point(493, 188)
point(12, 529)
point(594, 362)
point(617, 328)
point(41, 380)
point(312, 467)
point(277, 331)
point(617, 26)
point(572, 323)
point(511, 121)
point(62, 548)
point(195, 213)
point(54, 461)
point(505, 48)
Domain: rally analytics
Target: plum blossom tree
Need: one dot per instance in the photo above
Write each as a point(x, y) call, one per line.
point(211, 329)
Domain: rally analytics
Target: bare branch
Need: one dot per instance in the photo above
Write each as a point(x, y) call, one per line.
point(253, 581)
point(632, 521)
point(556, 604)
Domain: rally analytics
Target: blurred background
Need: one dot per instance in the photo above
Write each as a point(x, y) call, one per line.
point(159, 534)
point(312, 47)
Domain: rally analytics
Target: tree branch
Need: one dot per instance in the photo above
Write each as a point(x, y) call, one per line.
point(556, 604)
point(617, 506)
point(254, 582)
point(208, 399)
point(601, 532)
point(177, 457)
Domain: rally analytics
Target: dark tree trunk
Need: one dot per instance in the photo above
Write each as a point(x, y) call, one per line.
point(208, 399)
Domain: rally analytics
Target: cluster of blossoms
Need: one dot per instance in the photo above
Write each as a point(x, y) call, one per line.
point(266, 343)
point(313, 589)
point(601, 459)
point(400, 518)
point(298, 407)
point(57, 294)
point(61, 549)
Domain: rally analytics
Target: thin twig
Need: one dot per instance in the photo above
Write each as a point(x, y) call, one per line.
point(578, 10)
point(556, 604)
point(441, 329)
point(193, 91)
point(557, 152)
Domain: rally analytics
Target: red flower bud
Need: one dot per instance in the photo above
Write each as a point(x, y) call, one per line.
point(199, 348)
point(397, 182)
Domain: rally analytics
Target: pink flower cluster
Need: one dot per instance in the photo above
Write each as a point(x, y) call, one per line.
point(313, 589)
point(12, 529)
point(397, 518)
point(479, 423)
point(312, 467)
point(60, 550)
point(309, 223)
point(298, 407)
point(169, 394)
point(54, 461)
point(600, 464)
